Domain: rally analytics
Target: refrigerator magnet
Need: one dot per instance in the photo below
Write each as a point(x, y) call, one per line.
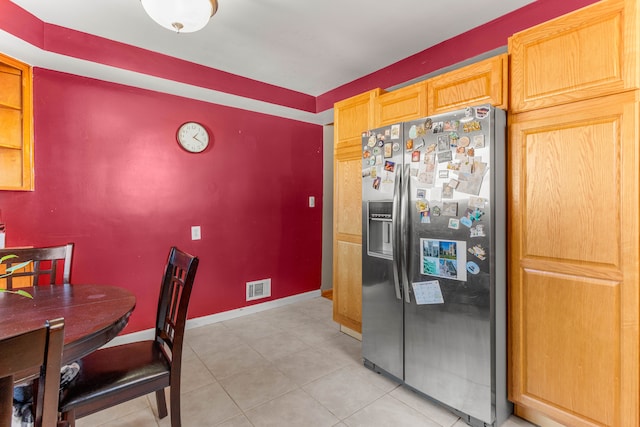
point(366, 154)
point(388, 150)
point(477, 202)
point(478, 141)
point(466, 221)
point(425, 217)
point(421, 193)
point(450, 209)
point(468, 115)
point(443, 143)
point(372, 141)
point(478, 251)
point(389, 166)
point(376, 183)
point(472, 126)
point(436, 211)
point(477, 231)
point(415, 156)
point(395, 131)
point(473, 268)
point(396, 147)
point(428, 124)
point(447, 191)
point(443, 174)
point(454, 223)
point(413, 132)
point(482, 112)
point(437, 127)
point(445, 156)
point(427, 292)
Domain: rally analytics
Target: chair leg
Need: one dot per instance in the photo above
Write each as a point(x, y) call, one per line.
point(69, 417)
point(174, 401)
point(161, 401)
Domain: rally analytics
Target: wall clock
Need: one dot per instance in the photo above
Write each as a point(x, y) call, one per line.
point(193, 137)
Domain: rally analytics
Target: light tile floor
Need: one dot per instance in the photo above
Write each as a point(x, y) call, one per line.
point(285, 367)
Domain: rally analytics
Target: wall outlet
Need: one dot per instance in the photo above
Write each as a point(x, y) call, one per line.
point(195, 232)
point(312, 202)
point(258, 289)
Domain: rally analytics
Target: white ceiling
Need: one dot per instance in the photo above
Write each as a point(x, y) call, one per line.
point(302, 45)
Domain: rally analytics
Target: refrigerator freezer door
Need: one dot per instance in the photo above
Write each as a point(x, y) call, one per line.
point(449, 320)
point(382, 317)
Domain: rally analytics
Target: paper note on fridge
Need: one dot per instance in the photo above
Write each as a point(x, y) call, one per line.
point(427, 292)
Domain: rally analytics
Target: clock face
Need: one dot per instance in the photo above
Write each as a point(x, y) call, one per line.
point(193, 137)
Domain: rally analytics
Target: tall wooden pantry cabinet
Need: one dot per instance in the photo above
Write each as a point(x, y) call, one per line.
point(574, 213)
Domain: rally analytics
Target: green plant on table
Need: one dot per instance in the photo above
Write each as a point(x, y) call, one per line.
point(10, 271)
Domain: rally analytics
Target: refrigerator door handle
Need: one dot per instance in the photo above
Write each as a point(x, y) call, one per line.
point(404, 230)
point(395, 239)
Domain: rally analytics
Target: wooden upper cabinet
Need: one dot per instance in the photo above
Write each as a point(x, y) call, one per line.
point(407, 103)
point(16, 141)
point(352, 116)
point(484, 82)
point(585, 54)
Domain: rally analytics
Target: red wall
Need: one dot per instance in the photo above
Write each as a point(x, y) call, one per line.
point(111, 178)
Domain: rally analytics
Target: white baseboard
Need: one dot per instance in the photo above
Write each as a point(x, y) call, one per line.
point(148, 334)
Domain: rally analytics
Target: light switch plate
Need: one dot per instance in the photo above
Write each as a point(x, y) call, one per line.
point(312, 202)
point(195, 232)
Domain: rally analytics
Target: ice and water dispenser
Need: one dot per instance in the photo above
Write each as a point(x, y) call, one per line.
point(380, 230)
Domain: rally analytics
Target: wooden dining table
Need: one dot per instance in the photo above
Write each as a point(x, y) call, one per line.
point(93, 314)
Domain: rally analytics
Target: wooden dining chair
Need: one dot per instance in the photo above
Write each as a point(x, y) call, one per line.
point(37, 352)
point(45, 263)
point(114, 375)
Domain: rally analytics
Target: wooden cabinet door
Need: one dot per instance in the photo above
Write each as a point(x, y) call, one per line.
point(16, 143)
point(574, 249)
point(407, 103)
point(347, 244)
point(585, 54)
point(352, 117)
point(484, 82)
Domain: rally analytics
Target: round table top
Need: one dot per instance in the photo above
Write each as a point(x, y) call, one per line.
point(93, 314)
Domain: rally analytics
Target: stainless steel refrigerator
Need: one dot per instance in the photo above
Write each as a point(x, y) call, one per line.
point(434, 259)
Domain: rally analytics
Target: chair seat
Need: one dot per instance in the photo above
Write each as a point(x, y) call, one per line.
point(115, 375)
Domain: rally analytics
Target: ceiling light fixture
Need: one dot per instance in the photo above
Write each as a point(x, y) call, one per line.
point(182, 16)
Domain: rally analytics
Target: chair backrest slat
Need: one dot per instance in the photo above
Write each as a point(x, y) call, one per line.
point(173, 303)
point(44, 262)
point(37, 352)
